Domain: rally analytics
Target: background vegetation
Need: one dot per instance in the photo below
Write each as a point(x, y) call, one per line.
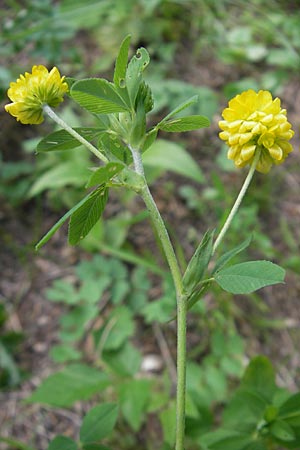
point(50, 328)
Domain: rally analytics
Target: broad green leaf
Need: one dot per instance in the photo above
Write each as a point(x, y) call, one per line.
point(114, 148)
point(199, 262)
point(98, 423)
point(181, 124)
point(270, 413)
point(290, 410)
point(216, 382)
point(66, 173)
point(245, 410)
point(134, 396)
point(62, 140)
point(85, 217)
point(124, 361)
point(167, 419)
point(98, 96)
point(224, 259)
point(191, 101)
point(249, 276)
point(223, 439)
point(62, 291)
point(256, 445)
point(61, 221)
point(74, 322)
point(259, 377)
point(119, 328)
point(64, 353)
point(282, 431)
point(64, 388)
point(121, 62)
point(136, 66)
point(167, 155)
point(104, 174)
point(62, 443)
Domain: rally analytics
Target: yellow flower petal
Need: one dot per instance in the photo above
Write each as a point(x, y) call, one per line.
point(244, 137)
point(276, 152)
point(247, 152)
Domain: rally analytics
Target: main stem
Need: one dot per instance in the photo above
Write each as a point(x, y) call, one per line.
point(238, 200)
point(74, 133)
point(181, 299)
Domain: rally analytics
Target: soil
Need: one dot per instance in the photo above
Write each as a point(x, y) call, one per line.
point(25, 275)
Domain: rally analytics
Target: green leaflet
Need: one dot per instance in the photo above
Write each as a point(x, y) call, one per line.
point(247, 277)
point(85, 217)
point(182, 124)
point(104, 174)
point(61, 221)
point(134, 73)
point(134, 398)
point(62, 140)
point(75, 382)
point(98, 423)
point(199, 262)
point(121, 62)
point(62, 443)
point(282, 431)
point(98, 96)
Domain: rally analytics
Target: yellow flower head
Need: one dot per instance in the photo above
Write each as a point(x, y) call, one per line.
point(34, 90)
point(254, 122)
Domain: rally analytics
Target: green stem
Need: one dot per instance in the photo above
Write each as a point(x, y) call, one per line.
point(238, 201)
point(158, 223)
point(181, 372)
point(73, 133)
point(181, 298)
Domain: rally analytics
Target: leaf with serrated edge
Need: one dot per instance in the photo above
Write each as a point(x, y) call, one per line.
point(121, 61)
point(247, 277)
point(85, 217)
point(98, 423)
point(74, 382)
point(181, 124)
point(61, 221)
point(98, 96)
point(104, 174)
point(62, 140)
point(136, 66)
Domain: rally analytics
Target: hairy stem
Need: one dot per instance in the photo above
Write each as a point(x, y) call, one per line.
point(238, 201)
point(73, 133)
point(181, 298)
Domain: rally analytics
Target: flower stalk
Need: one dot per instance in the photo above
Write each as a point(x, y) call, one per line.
point(49, 111)
point(238, 201)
